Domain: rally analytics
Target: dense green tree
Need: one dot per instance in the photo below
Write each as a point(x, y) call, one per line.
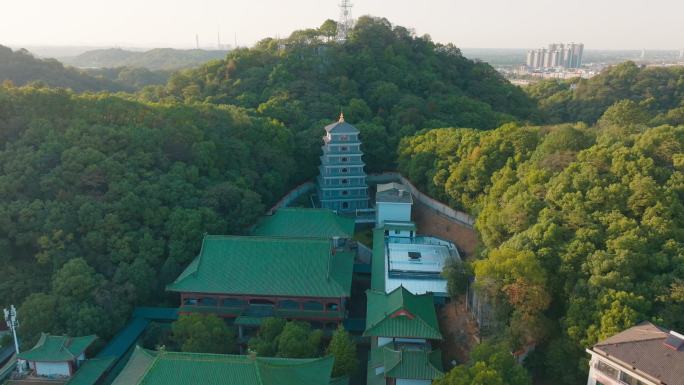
point(265, 343)
point(105, 198)
point(343, 348)
point(458, 275)
point(21, 68)
point(490, 364)
point(581, 226)
point(297, 340)
point(658, 91)
point(387, 81)
point(203, 334)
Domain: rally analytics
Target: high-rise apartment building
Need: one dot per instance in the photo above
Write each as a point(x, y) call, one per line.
point(556, 55)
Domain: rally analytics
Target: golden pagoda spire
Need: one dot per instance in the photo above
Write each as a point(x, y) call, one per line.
point(341, 117)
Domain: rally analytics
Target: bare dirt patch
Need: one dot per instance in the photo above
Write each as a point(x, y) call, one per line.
point(459, 330)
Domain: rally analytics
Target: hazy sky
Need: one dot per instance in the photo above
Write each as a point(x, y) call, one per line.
point(619, 24)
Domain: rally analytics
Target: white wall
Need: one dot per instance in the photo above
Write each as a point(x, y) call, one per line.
point(392, 212)
point(52, 368)
point(413, 382)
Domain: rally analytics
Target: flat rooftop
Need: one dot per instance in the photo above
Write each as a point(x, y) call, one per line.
point(417, 263)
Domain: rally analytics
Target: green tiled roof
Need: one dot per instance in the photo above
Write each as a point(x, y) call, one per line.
point(415, 364)
point(57, 348)
point(267, 266)
point(403, 363)
point(401, 314)
point(303, 222)
point(90, 371)
point(171, 368)
point(378, 260)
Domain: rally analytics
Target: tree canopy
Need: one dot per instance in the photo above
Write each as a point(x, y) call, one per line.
point(582, 228)
point(117, 193)
point(203, 333)
point(387, 81)
point(659, 91)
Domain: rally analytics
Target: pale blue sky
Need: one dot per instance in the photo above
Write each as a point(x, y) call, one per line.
point(601, 24)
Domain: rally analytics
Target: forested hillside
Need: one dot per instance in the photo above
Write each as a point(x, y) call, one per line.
point(20, 67)
point(104, 199)
point(133, 77)
point(388, 81)
point(582, 228)
point(155, 59)
point(658, 91)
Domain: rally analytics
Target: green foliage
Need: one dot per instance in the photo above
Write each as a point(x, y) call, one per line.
point(265, 343)
point(458, 275)
point(389, 82)
point(104, 199)
point(155, 59)
point(297, 340)
point(6, 340)
point(21, 68)
point(290, 339)
point(582, 228)
point(76, 305)
point(490, 364)
point(659, 91)
point(343, 348)
point(131, 77)
point(202, 333)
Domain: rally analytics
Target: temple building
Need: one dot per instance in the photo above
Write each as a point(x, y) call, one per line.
point(402, 327)
point(174, 368)
point(57, 356)
point(249, 278)
point(305, 223)
point(342, 181)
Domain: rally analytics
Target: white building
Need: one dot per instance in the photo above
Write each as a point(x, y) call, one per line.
point(393, 203)
point(641, 355)
point(412, 261)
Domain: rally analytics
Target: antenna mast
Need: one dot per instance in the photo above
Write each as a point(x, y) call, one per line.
point(12, 324)
point(346, 22)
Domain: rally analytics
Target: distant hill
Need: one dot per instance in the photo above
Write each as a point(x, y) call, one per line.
point(154, 59)
point(21, 68)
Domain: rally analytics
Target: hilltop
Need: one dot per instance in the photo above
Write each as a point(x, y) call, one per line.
point(388, 81)
point(21, 67)
point(154, 59)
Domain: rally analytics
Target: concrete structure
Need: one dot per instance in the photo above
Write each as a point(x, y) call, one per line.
point(641, 355)
point(342, 181)
point(393, 203)
point(556, 56)
point(400, 256)
point(416, 263)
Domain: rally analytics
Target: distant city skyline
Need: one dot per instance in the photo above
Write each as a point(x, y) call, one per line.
point(605, 24)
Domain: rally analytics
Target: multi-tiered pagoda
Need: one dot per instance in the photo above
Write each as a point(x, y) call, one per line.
point(342, 181)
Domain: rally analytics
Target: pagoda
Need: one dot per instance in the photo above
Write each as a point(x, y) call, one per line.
point(342, 182)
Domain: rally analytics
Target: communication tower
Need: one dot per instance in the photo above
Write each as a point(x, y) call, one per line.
point(346, 22)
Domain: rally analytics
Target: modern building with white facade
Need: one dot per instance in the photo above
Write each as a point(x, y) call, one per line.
point(641, 355)
point(404, 258)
